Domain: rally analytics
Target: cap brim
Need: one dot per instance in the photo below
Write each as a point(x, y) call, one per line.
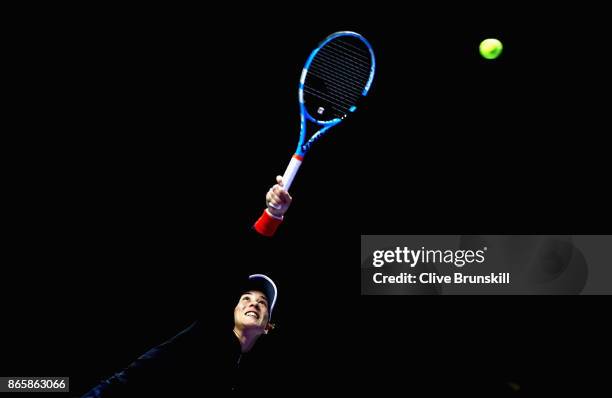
point(267, 286)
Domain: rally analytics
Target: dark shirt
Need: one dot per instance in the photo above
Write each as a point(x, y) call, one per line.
point(194, 361)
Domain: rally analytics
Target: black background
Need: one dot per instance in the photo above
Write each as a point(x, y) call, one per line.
point(142, 143)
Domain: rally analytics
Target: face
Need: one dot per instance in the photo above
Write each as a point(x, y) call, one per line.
point(251, 312)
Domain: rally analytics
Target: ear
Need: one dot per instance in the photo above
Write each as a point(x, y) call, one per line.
point(269, 327)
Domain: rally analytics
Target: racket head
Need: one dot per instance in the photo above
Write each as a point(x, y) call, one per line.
point(337, 74)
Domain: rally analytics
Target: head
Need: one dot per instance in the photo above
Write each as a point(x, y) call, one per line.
point(252, 313)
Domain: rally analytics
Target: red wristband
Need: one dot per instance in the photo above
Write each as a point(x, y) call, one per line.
point(267, 225)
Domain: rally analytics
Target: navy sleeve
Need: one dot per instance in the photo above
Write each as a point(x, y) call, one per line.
point(150, 373)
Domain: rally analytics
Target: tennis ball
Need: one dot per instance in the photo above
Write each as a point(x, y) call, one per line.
point(491, 48)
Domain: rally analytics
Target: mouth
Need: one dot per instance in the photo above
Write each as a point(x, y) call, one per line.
point(252, 314)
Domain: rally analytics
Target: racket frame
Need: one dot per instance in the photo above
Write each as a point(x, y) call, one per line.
point(304, 146)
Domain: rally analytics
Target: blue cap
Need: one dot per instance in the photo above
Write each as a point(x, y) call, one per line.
point(267, 286)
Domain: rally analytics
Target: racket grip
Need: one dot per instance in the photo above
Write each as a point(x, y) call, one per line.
point(292, 169)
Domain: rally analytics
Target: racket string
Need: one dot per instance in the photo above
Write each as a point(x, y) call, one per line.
point(361, 73)
point(349, 80)
point(330, 88)
point(360, 50)
point(333, 68)
point(359, 69)
point(338, 53)
point(336, 78)
point(327, 85)
point(346, 84)
point(350, 95)
point(339, 112)
point(343, 103)
point(337, 97)
point(338, 101)
point(355, 80)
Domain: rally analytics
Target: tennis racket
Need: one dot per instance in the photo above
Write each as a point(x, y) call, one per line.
point(337, 74)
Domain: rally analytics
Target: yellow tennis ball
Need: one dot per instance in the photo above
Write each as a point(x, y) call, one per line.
point(491, 48)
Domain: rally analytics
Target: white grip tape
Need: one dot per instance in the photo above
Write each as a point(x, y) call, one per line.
point(292, 169)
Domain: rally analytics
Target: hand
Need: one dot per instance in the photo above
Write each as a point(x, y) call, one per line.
point(277, 199)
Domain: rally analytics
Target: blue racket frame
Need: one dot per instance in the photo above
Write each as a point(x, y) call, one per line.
point(303, 146)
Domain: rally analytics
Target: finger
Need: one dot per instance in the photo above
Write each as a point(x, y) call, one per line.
point(279, 180)
point(284, 196)
point(275, 204)
point(275, 197)
point(277, 189)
